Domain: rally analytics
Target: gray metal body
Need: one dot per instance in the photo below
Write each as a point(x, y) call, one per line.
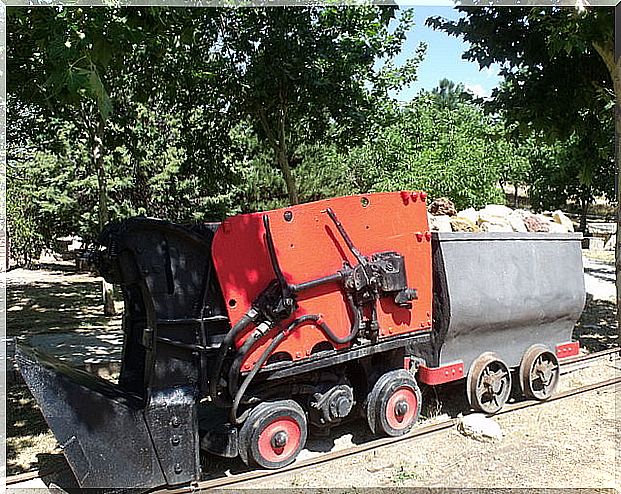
point(504, 292)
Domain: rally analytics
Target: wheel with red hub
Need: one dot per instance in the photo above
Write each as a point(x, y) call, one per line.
point(394, 403)
point(273, 434)
point(539, 373)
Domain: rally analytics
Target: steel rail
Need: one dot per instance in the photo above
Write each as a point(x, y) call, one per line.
point(382, 442)
point(376, 443)
point(589, 356)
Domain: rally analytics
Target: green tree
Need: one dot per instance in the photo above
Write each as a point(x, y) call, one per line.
point(449, 95)
point(68, 61)
point(304, 74)
point(559, 65)
point(444, 151)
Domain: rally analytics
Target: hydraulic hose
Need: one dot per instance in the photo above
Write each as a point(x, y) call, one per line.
point(262, 329)
point(248, 318)
point(275, 342)
point(355, 326)
point(257, 366)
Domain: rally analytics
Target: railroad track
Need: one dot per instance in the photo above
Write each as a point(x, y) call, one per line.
point(569, 364)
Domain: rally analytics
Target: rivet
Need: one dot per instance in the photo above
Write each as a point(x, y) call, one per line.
point(175, 422)
point(175, 440)
point(178, 468)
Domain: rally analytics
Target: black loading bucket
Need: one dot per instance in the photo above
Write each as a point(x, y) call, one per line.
point(504, 292)
point(101, 429)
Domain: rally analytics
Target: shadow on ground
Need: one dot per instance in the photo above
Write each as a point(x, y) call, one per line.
point(597, 329)
point(27, 433)
point(36, 307)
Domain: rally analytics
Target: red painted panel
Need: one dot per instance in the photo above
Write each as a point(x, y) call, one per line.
point(441, 375)
point(308, 246)
point(568, 349)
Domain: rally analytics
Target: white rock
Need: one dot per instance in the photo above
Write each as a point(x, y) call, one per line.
point(441, 223)
point(501, 223)
point(496, 210)
point(522, 213)
point(516, 221)
point(544, 217)
point(561, 218)
point(494, 227)
point(557, 227)
point(479, 427)
point(470, 214)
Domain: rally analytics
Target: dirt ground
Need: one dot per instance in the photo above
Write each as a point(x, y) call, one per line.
point(52, 301)
point(568, 443)
point(542, 445)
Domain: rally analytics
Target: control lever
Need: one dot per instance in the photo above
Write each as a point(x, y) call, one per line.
point(284, 307)
point(361, 259)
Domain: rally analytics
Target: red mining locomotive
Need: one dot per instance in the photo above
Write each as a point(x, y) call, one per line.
point(243, 336)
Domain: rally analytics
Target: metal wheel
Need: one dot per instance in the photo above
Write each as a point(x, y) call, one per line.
point(489, 384)
point(394, 403)
point(273, 434)
point(539, 373)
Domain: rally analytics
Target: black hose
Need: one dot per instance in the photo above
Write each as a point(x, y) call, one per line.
point(353, 332)
point(235, 369)
point(248, 318)
point(276, 341)
point(257, 366)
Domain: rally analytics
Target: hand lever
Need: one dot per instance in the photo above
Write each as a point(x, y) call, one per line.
point(273, 259)
point(361, 259)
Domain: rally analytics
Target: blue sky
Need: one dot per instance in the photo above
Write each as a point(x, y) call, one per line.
point(443, 58)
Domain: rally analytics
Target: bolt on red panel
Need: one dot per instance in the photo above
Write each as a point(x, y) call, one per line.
point(568, 349)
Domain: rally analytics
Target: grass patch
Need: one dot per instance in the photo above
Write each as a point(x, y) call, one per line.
point(403, 475)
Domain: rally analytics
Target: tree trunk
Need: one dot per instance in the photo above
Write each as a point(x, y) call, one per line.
point(102, 183)
point(583, 214)
point(278, 142)
point(292, 190)
point(515, 197)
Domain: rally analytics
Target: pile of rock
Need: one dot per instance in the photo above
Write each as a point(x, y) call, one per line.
point(444, 217)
